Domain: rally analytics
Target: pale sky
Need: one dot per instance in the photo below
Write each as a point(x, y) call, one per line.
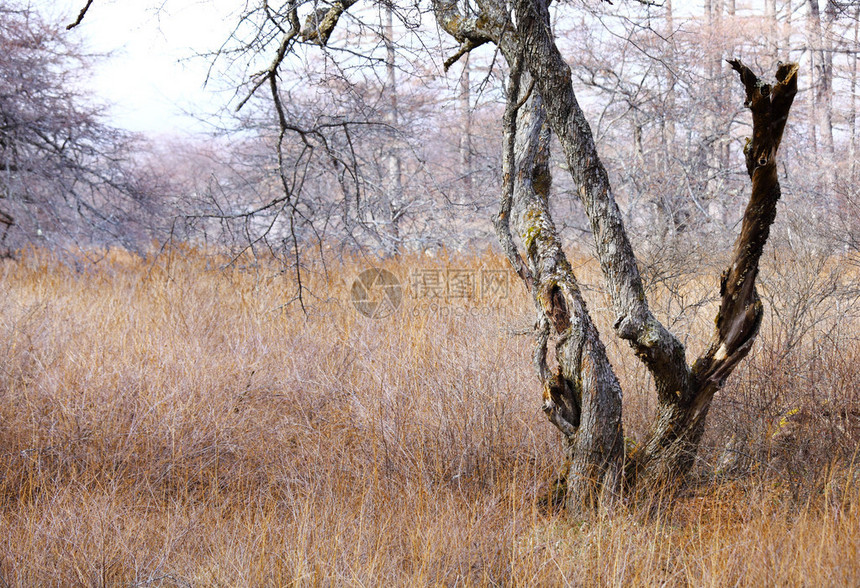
point(151, 74)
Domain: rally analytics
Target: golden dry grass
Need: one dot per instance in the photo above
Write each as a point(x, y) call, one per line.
point(171, 423)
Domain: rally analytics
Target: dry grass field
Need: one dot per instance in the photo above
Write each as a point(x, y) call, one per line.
point(169, 422)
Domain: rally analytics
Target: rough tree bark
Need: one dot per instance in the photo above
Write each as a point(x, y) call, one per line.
point(581, 394)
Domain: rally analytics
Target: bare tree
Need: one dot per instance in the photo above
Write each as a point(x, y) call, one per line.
point(853, 89)
point(395, 166)
point(466, 137)
point(582, 394)
point(64, 175)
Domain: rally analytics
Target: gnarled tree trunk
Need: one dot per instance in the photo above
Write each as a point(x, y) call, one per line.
point(581, 394)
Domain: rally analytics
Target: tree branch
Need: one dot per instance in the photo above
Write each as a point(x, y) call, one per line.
point(465, 48)
point(468, 31)
point(81, 16)
point(320, 24)
point(740, 313)
point(270, 74)
point(502, 222)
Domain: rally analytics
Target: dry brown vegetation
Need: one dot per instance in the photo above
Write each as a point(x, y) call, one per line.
point(169, 422)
